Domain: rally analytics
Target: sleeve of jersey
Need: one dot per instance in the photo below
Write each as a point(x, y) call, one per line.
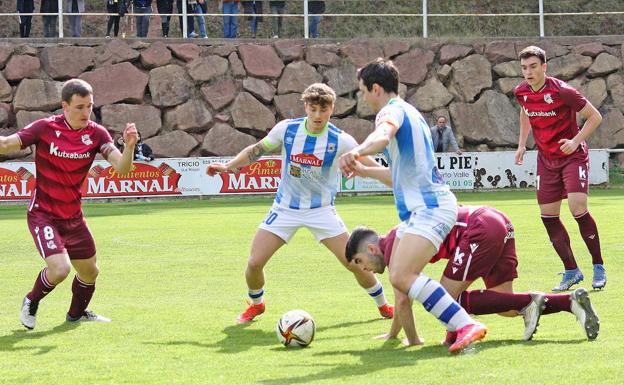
point(572, 98)
point(389, 114)
point(30, 134)
point(106, 146)
point(276, 136)
point(347, 143)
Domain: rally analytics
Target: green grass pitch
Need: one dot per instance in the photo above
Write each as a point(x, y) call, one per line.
point(172, 281)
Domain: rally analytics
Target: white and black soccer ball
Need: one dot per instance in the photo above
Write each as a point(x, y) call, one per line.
point(296, 328)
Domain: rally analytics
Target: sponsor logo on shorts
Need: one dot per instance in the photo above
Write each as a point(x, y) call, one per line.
point(51, 245)
point(459, 258)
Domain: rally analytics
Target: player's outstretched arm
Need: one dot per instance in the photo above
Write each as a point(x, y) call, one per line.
point(244, 158)
point(367, 167)
point(10, 144)
point(404, 305)
point(372, 145)
point(122, 162)
point(593, 118)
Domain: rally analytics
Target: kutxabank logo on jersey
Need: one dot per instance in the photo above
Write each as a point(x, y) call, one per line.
point(540, 114)
point(55, 151)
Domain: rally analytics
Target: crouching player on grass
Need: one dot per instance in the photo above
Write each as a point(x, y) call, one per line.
point(480, 245)
point(66, 146)
point(310, 149)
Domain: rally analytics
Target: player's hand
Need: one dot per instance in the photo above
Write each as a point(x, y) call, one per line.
point(520, 155)
point(418, 341)
point(568, 146)
point(216, 168)
point(385, 337)
point(130, 135)
point(348, 162)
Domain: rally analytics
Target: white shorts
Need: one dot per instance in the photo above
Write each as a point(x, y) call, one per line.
point(433, 224)
point(323, 222)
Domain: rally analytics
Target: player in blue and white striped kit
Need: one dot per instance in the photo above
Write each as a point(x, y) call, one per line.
point(426, 206)
point(305, 198)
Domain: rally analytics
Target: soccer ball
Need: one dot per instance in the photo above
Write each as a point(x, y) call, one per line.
point(295, 328)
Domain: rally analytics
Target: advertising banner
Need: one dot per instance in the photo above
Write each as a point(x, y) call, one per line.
point(187, 176)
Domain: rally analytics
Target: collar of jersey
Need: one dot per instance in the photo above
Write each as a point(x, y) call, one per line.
point(393, 100)
point(310, 133)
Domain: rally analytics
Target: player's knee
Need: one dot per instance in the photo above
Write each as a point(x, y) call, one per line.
point(254, 265)
point(91, 274)
point(58, 273)
point(399, 280)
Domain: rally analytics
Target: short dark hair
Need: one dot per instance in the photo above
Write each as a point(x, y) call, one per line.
point(533, 51)
point(359, 238)
point(319, 93)
point(73, 87)
point(382, 72)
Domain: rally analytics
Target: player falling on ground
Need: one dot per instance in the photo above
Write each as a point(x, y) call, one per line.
point(480, 245)
point(305, 198)
point(426, 206)
point(66, 146)
point(549, 108)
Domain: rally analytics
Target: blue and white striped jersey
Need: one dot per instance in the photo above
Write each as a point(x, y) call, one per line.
point(309, 163)
point(416, 182)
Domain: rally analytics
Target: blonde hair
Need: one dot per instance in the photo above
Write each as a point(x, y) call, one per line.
point(319, 93)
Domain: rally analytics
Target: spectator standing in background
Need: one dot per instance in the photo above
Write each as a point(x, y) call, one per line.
point(230, 20)
point(25, 6)
point(49, 22)
point(443, 138)
point(75, 21)
point(277, 8)
point(316, 9)
point(164, 7)
point(120, 7)
point(190, 23)
point(194, 8)
point(253, 8)
point(142, 151)
point(142, 22)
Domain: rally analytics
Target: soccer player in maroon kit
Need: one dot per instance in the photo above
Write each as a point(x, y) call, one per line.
point(549, 107)
point(480, 245)
point(66, 146)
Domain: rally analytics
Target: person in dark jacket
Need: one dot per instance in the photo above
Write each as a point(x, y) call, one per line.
point(253, 8)
point(50, 21)
point(142, 22)
point(165, 7)
point(120, 7)
point(316, 9)
point(25, 6)
point(142, 151)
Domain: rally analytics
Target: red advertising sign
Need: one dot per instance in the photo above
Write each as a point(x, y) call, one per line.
point(142, 180)
point(261, 176)
point(17, 184)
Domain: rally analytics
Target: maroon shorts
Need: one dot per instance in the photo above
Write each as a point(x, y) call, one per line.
point(487, 250)
point(59, 236)
point(556, 178)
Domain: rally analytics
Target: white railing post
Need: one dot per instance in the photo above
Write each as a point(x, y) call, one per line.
point(541, 17)
point(60, 18)
point(305, 19)
point(184, 21)
point(424, 10)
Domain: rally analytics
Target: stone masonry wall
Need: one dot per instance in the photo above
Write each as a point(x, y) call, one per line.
point(215, 98)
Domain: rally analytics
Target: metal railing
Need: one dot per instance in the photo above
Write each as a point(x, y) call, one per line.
point(425, 15)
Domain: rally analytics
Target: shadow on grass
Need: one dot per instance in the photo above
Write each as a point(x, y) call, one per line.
point(240, 338)
point(9, 342)
point(391, 354)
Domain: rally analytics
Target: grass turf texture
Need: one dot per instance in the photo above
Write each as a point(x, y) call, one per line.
point(172, 281)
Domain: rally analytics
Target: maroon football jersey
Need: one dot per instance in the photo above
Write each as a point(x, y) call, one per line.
point(447, 248)
point(63, 157)
point(552, 114)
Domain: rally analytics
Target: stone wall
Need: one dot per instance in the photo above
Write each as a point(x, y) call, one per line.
point(215, 98)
